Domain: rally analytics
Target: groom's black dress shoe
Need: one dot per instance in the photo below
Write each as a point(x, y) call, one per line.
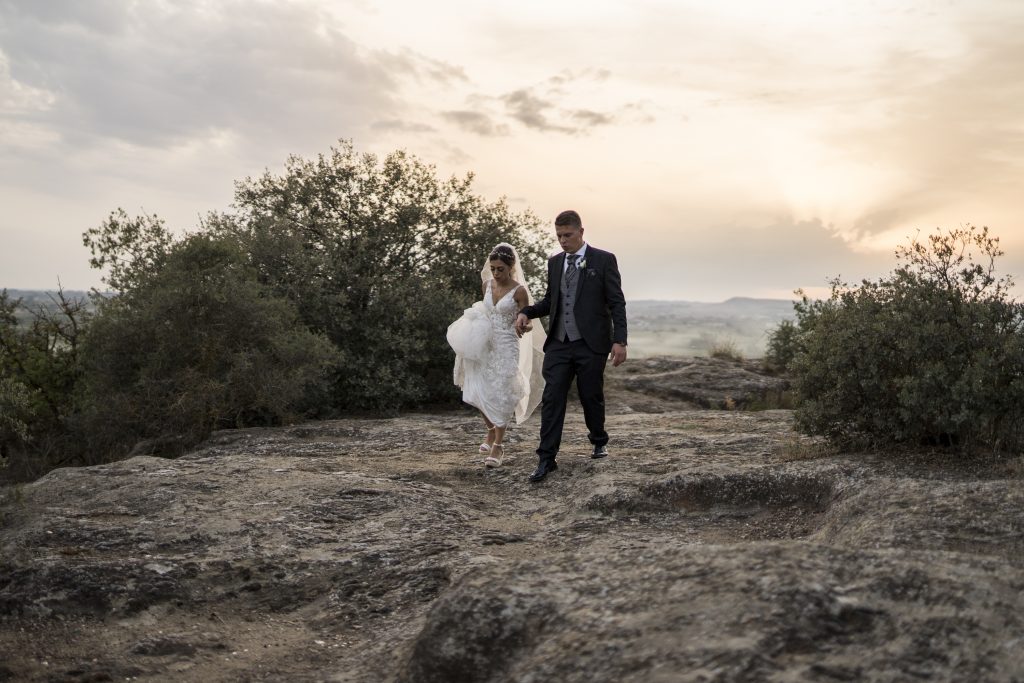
point(599, 452)
point(542, 471)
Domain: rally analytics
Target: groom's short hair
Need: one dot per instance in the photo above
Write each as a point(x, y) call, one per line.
point(570, 218)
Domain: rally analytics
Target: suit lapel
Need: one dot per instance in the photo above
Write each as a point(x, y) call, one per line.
point(581, 272)
point(556, 282)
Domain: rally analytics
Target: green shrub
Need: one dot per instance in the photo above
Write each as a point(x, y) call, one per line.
point(39, 373)
point(783, 346)
point(15, 417)
point(196, 345)
point(325, 289)
point(381, 256)
point(931, 354)
point(128, 248)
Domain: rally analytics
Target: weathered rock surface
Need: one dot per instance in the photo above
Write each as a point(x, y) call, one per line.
point(777, 611)
point(710, 546)
point(716, 383)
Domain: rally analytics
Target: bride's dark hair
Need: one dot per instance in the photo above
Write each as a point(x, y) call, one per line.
point(503, 254)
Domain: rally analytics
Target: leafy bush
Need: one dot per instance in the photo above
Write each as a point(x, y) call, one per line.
point(783, 346)
point(15, 417)
point(380, 255)
point(931, 354)
point(325, 289)
point(128, 248)
point(39, 372)
point(196, 345)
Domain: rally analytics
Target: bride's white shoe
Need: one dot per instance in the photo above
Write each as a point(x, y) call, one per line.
point(496, 456)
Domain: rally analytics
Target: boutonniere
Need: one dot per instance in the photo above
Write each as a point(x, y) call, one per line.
point(582, 264)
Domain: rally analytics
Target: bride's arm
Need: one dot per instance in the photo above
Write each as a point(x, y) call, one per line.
point(522, 301)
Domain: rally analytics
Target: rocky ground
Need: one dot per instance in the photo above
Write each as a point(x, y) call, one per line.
point(713, 545)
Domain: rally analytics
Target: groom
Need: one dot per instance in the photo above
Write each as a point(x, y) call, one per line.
point(588, 321)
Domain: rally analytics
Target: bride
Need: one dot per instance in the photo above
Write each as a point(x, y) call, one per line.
point(499, 371)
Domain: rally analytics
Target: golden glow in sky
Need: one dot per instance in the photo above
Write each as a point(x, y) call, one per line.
point(720, 149)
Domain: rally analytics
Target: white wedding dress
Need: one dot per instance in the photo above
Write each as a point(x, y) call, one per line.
point(503, 378)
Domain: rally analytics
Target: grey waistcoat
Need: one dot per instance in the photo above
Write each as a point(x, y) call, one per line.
point(564, 320)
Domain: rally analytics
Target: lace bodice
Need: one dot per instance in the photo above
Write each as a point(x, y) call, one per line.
point(503, 313)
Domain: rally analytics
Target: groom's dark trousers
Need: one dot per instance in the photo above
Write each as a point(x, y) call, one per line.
point(564, 360)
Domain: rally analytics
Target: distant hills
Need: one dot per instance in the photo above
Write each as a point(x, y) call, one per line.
point(692, 328)
point(737, 305)
point(676, 328)
point(32, 296)
point(35, 299)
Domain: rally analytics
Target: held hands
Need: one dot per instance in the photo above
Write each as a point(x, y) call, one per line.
point(618, 355)
point(523, 325)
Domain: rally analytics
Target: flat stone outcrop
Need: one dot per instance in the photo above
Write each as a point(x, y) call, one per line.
point(658, 611)
point(715, 383)
point(710, 546)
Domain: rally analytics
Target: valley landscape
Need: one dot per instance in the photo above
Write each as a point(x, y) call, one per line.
point(691, 328)
point(679, 328)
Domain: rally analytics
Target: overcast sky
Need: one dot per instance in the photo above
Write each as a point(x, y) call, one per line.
point(733, 148)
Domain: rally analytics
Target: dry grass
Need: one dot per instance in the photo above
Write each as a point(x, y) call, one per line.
point(797, 447)
point(725, 349)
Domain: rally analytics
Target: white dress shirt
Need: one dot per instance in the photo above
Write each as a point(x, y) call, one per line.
point(582, 250)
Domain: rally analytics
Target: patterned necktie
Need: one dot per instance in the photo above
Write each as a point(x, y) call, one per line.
point(571, 271)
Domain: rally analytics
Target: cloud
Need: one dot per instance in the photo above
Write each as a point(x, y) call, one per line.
point(777, 254)
point(953, 128)
point(769, 259)
point(476, 122)
point(538, 113)
point(532, 111)
point(590, 119)
point(19, 105)
point(20, 99)
point(101, 16)
point(541, 107)
point(639, 112)
point(919, 129)
point(569, 76)
point(396, 125)
point(422, 67)
point(160, 75)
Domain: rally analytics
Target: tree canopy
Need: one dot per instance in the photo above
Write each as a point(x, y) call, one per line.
point(380, 255)
point(323, 289)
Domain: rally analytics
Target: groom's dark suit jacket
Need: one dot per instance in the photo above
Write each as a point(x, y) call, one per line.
point(600, 308)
